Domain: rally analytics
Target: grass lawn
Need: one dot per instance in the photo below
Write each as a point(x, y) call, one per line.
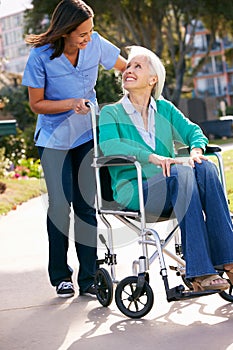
point(222, 141)
point(228, 167)
point(19, 191)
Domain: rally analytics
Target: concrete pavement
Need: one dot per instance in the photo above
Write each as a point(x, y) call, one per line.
point(226, 147)
point(33, 318)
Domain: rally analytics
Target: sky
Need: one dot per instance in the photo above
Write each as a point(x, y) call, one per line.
point(9, 7)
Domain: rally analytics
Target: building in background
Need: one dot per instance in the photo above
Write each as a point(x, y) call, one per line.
point(211, 105)
point(214, 82)
point(13, 50)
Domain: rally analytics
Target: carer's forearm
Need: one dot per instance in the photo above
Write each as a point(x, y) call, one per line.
point(52, 107)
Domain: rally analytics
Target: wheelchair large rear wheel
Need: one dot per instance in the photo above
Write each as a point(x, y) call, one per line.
point(104, 286)
point(129, 305)
point(228, 293)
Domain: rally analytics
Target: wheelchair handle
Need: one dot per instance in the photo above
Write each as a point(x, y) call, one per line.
point(92, 107)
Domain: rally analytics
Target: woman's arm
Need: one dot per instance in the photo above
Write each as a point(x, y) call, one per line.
point(41, 106)
point(120, 64)
point(196, 155)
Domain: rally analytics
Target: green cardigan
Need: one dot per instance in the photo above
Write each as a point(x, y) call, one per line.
point(118, 135)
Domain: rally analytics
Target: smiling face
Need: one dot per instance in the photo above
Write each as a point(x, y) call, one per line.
point(137, 75)
point(79, 38)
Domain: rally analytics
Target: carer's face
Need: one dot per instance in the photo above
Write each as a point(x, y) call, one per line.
point(137, 74)
point(81, 36)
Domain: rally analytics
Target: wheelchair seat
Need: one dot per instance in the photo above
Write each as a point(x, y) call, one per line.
point(108, 202)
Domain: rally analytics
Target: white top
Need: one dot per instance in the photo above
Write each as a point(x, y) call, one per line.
point(147, 135)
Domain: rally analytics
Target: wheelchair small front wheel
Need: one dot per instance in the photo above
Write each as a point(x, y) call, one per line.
point(228, 293)
point(104, 286)
point(129, 305)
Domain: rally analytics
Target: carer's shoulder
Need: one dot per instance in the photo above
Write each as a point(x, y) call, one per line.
point(95, 36)
point(41, 50)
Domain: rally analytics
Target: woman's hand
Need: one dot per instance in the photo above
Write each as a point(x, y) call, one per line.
point(164, 162)
point(79, 106)
point(41, 106)
point(196, 155)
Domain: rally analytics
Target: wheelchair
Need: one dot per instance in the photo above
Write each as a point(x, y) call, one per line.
point(133, 294)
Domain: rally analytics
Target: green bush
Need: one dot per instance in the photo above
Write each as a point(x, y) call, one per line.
point(26, 168)
point(229, 110)
point(29, 167)
point(5, 163)
point(15, 147)
point(17, 106)
point(108, 87)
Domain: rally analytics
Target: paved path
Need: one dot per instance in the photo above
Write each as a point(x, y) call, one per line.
point(33, 318)
point(227, 147)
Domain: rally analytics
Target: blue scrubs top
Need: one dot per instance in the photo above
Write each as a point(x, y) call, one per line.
point(61, 80)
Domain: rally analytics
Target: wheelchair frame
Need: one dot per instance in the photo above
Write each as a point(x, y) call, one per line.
point(133, 294)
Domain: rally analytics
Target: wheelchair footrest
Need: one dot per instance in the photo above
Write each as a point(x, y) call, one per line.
point(179, 293)
point(100, 262)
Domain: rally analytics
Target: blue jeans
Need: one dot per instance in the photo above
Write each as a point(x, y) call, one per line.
point(199, 204)
point(70, 179)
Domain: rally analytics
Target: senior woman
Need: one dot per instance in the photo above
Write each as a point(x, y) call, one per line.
point(145, 125)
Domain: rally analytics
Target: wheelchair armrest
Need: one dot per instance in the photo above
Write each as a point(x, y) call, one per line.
point(213, 149)
point(184, 151)
point(114, 160)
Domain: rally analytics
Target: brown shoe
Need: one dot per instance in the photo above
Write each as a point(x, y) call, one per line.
point(207, 283)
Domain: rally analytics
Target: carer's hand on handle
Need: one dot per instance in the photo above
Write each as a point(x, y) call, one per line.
point(80, 107)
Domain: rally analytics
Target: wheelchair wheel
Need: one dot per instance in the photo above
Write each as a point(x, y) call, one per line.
point(104, 286)
point(228, 293)
point(133, 307)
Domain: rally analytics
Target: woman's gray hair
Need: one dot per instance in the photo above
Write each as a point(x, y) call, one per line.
point(156, 67)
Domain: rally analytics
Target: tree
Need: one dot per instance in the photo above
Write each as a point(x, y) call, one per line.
point(160, 25)
point(108, 87)
point(36, 19)
point(18, 107)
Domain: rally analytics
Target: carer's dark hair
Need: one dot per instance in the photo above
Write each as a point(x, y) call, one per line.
point(67, 16)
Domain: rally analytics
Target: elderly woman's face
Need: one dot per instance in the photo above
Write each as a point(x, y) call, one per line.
point(137, 74)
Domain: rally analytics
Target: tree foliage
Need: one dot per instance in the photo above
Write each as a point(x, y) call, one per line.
point(108, 87)
point(18, 107)
point(160, 25)
point(36, 19)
